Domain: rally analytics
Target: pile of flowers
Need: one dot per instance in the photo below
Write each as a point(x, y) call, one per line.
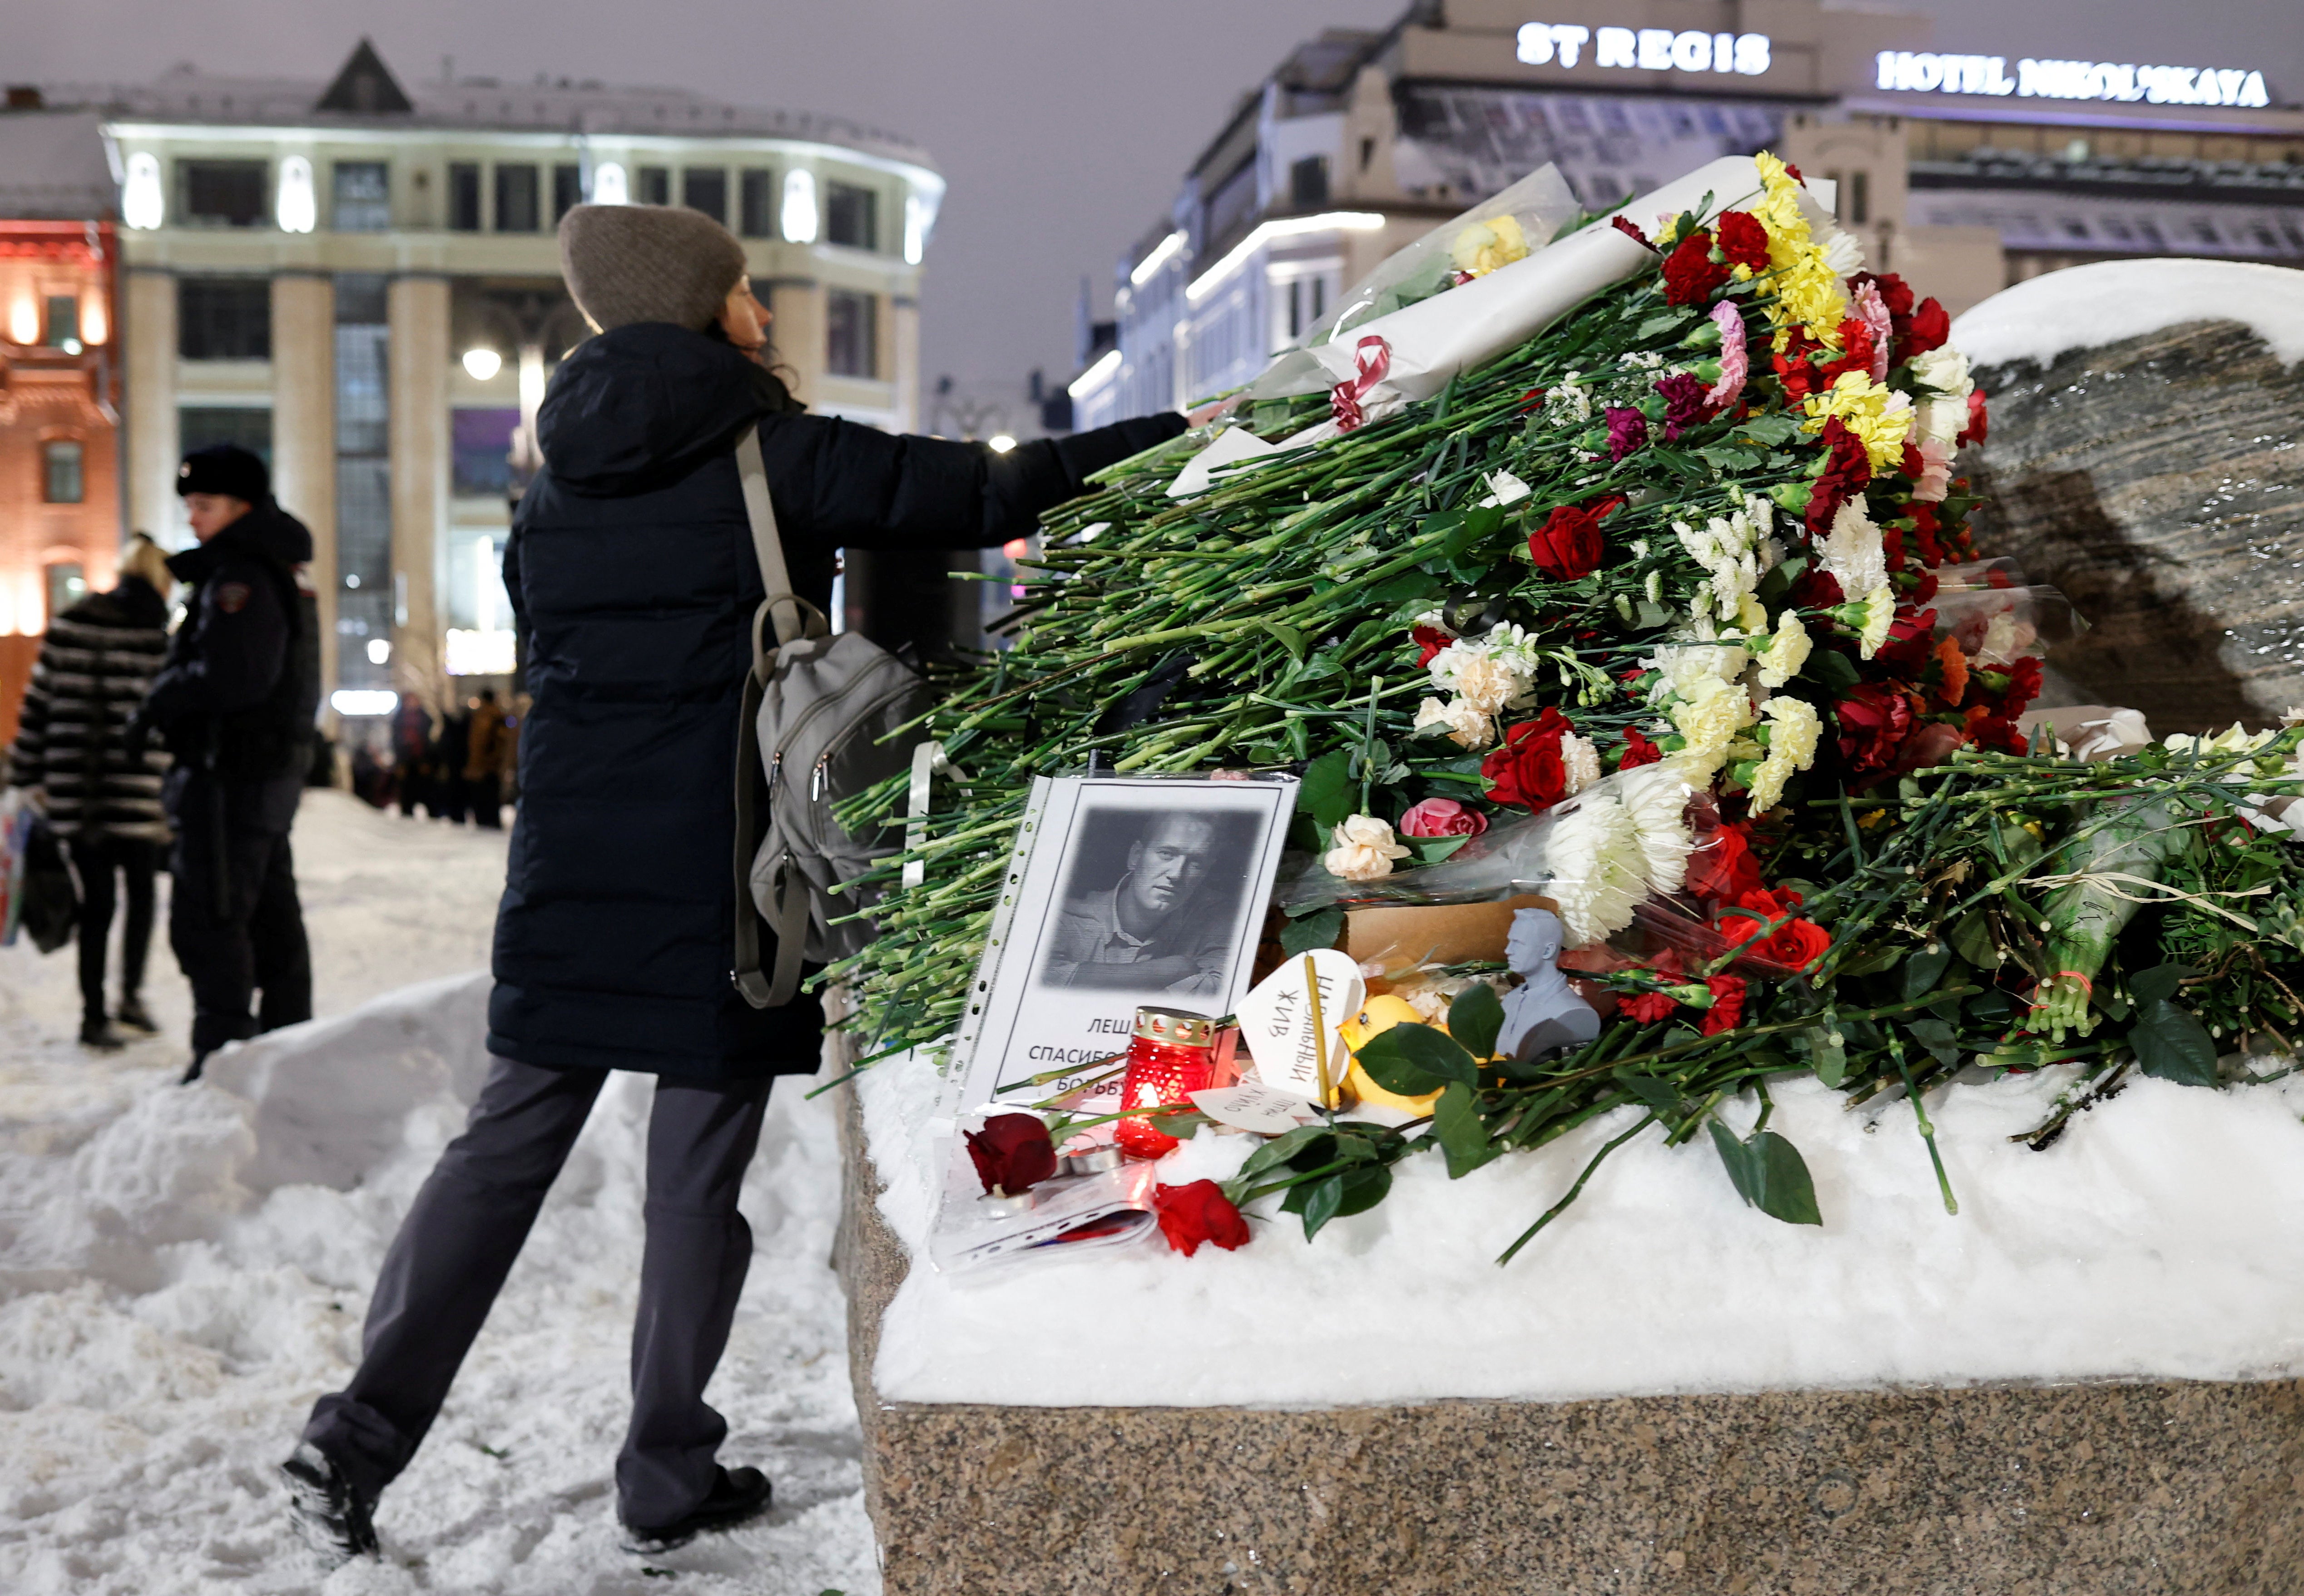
point(1672, 586)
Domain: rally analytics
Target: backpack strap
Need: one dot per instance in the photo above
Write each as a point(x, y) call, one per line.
point(795, 618)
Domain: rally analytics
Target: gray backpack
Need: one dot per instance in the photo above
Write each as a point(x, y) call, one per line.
point(816, 713)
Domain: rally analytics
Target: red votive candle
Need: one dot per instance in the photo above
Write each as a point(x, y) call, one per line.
point(1171, 1056)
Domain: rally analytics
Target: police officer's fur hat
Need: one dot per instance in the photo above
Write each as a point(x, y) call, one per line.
point(634, 263)
point(224, 469)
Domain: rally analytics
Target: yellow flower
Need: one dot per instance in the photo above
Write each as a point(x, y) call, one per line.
point(1484, 246)
point(1792, 727)
point(1879, 612)
point(1808, 291)
point(1873, 411)
point(1707, 723)
point(1787, 654)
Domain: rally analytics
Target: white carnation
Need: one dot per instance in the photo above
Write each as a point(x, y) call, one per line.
point(1362, 849)
point(1792, 728)
point(1579, 762)
point(1787, 654)
point(1945, 369)
point(1466, 727)
point(1852, 552)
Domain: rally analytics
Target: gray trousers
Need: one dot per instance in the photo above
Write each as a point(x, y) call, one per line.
point(465, 1228)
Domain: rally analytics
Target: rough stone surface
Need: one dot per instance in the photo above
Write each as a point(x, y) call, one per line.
point(2159, 481)
point(2072, 1491)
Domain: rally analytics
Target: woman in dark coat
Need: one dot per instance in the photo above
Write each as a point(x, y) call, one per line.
point(100, 789)
point(631, 567)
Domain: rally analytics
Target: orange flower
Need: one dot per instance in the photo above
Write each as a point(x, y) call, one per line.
point(1955, 672)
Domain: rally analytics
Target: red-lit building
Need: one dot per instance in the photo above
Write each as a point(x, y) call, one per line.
point(59, 531)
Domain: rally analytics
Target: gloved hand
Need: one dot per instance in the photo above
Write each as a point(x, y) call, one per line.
point(134, 735)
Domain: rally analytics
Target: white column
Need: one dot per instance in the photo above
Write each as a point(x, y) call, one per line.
point(146, 342)
point(417, 309)
point(304, 432)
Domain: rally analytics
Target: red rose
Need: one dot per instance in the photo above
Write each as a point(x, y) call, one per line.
point(1200, 1212)
point(1649, 1007)
point(1568, 543)
point(1743, 240)
point(1528, 770)
point(1638, 750)
point(1930, 326)
point(1689, 272)
point(1873, 722)
point(1013, 1152)
point(1442, 817)
point(1979, 424)
point(1795, 944)
point(1431, 640)
point(1847, 472)
point(1727, 1010)
point(1723, 870)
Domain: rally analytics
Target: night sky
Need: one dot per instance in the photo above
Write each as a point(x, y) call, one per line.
point(1063, 126)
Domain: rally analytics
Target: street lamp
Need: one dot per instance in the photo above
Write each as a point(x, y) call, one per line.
point(482, 364)
point(1000, 443)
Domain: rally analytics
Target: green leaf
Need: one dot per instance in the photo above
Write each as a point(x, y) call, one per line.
point(1770, 429)
point(1923, 970)
point(1831, 669)
point(1475, 1018)
point(1655, 1093)
point(1663, 322)
point(1314, 931)
point(1413, 1060)
point(1827, 1057)
point(1401, 589)
point(1769, 1174)
point(1322, 1200)
point(2160, 982)
point(1280, 1149)
point(1433, 849)
point(1341, 1196)
point(1937, 1037)
point(1971, 939)
point(1290, 638)
point(1328, 791)
point(1728, 457)
point(2171, 1045)
point(1463, 1134)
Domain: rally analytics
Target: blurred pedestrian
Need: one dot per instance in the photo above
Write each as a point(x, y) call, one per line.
point(412, 753)
point(235, 703)
point(630, 568)
point(449, 790)
point(101, 796)
point(484, 761)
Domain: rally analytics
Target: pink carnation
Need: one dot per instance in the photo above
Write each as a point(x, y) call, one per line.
point(1872, 310)
point(1935, 472)
point(1735, 362)
point(1443, 817)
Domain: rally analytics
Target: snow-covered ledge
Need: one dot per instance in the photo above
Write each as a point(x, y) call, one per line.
point(2080, 1383)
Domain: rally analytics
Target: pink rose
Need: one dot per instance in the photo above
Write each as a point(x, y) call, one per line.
point(1442, 817)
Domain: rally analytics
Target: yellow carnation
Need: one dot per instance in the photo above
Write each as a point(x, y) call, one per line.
point(1484, 246)
point(1792, 727)
point(1873, 411)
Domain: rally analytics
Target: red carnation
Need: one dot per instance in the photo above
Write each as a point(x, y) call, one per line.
point(1743, 240)
point(1910, 637)
point(1533, 399)
point(1690, 274)
point(2023, 687)
point(1013, 1154)
point(1794, 173)
point(1873, 721)
point(1795, 369)
point(1925, 528)
point(1638, 750)
point(1858, 344)
point(1727, 1010)
point(1979, 424)
point(1649, 1007)
point(1930, 326)
point(1628, 431)
point(1816, 589)
point(1568, 543)
point(1684, 402)
point(1723, 871)
point(1528, 769)
point(1847, 472)
point(1999, 731)
point(1631, 230)
point(1200, 1212)
point(1431, 640)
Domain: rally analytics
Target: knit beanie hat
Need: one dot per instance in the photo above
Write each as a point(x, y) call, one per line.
point(631, 262)
point(224, 469)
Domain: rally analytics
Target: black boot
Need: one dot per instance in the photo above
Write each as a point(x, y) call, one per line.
point(96, 1032)
point(199, 1062)
point(328, 1515)
point(133, 1014)
point(736, 1496)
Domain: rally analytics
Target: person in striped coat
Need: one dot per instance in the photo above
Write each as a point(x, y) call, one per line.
point(100, 798)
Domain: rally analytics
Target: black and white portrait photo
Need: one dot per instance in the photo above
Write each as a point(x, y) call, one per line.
point(1151, 900)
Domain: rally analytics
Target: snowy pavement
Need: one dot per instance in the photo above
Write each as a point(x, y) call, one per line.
point(182, 1270)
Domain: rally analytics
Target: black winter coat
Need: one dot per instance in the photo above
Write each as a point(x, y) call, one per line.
point(632, 572)
point(94, 665)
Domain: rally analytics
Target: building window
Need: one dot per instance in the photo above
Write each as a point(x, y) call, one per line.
point(363, 483)
point(1307, 183)
point(656, 185)
point(463, 196)
point(567, 189)
point(482, 446)
point(199, 426)
point(1860, 198)
point(516, 200)
point(759, 218)
point(224, 193)
point(61, 480)
point(224, 318)
point(851, 215)
point(362, 196)
point(850, 346)
point(706, 189)
point(67, 585)
point(64, 321)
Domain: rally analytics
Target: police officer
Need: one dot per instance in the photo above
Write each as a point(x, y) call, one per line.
point(235, 703)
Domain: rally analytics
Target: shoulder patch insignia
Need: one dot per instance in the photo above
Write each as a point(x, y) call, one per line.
point(232, 597)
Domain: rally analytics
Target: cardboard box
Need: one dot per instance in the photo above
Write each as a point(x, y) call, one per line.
point(1400, 939)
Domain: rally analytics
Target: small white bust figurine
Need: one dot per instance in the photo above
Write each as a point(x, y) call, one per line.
point(1543, 1014)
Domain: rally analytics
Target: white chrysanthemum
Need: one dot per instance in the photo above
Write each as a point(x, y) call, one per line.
point(1579, 762)
point(1656, 799)
point(1362, 849)
point(1792, 728)
point(1879, 612)
point(1842, 253)
point(1706, 725)
point(1787, 654)
point(1853, 553)
point(1599, 874)
point(1467, 727)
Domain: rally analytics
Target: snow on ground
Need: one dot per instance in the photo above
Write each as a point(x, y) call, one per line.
point(2086, 307)
point(183, 1270)
point(2159, 1237)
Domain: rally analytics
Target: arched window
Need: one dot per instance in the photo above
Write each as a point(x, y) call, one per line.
point(63, 481)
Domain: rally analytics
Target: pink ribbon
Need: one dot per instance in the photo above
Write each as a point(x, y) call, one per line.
point(1372, 360)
